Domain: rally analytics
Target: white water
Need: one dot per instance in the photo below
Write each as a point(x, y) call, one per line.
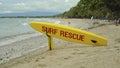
point(17, 29)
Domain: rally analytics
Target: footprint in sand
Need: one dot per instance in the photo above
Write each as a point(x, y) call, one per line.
point(76, 50)
point(75, 53)
point(82, 67)
point(117, 40)
point(37, 60)
point(41, 65)
point(66, 58)
point(117, 48)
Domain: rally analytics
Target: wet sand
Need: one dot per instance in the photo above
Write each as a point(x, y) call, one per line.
point(73, 55)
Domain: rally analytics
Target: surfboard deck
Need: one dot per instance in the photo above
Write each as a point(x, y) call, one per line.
point(69, 33)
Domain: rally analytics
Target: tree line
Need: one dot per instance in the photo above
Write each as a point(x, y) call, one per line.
point(96, 8)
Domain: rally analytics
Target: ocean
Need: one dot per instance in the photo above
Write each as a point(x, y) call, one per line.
point(17, 29)
point(14, 26)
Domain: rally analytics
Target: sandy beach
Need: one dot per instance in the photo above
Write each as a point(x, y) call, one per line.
point(72, 55)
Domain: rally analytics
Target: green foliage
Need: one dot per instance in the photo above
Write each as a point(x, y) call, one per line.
point(97, 8)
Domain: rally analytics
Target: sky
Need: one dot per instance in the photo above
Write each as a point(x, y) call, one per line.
point(20, 6)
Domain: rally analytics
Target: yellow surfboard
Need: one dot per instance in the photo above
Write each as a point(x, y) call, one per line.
point(69, 33)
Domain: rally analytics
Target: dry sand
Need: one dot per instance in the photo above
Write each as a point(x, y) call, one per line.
point(73, 55)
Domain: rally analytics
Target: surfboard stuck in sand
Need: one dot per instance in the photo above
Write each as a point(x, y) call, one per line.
point(69, 33)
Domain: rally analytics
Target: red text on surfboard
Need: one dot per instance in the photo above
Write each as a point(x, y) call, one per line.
point(64, 34)
point(71, 35)
point(49, 30)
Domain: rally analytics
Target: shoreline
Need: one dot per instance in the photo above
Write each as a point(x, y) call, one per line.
point(67, 51)
point(15, 38)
